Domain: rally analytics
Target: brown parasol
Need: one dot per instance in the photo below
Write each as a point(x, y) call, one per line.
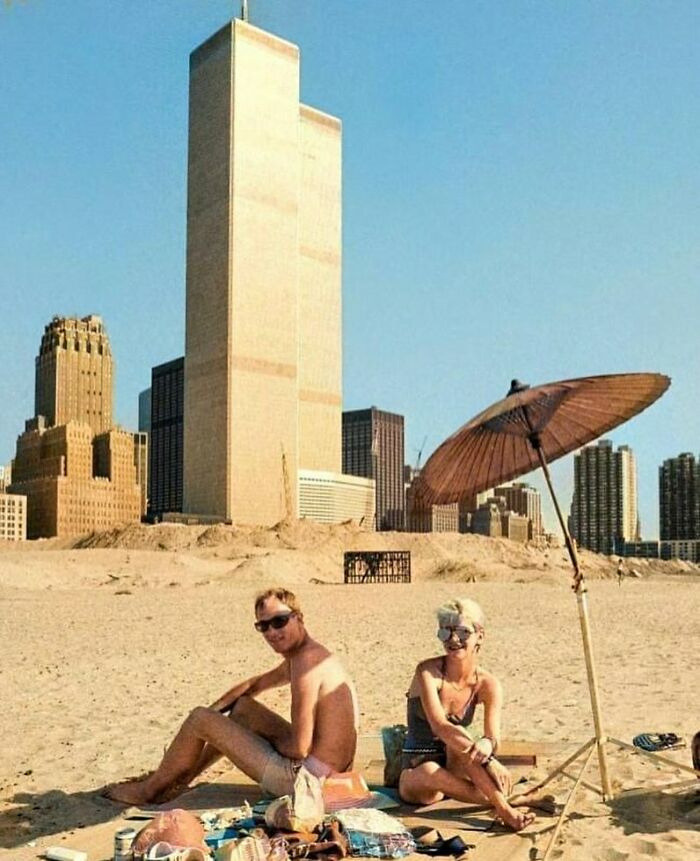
point(531, 427)
point(502, 442)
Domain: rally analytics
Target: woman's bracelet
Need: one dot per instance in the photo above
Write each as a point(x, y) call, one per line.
point(494, 743)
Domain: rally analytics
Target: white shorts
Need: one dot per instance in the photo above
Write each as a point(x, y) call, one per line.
point(278, 777)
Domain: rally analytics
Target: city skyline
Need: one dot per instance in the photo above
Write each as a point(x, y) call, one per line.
point(522, 179)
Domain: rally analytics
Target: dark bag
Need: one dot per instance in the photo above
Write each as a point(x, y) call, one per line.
point(393, 738)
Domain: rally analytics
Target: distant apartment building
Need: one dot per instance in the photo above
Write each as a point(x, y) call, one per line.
point(145, 411)
point(516, 527)
point(13, 517)
point(679, 498)
point(687, 550)
point(604, 504)
point(427, 518)
point(494, 519)
point(526, 501)
point(141, 467)
point(5, 478)
point(373, 447)
point(166, 437)
point(488, 520)
point(78, 472)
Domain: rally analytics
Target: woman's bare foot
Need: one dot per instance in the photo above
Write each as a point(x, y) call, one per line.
point(536, 800)
point(515, 819)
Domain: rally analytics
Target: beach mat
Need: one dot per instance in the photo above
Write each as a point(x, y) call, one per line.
point(233, 788)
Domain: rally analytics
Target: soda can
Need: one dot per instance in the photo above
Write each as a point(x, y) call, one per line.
point(123, 840)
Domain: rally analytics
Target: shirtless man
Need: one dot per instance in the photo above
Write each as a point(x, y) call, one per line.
point(322, 734)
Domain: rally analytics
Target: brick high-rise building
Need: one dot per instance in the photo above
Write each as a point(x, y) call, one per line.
point(604, 505)
point(373, 447)
point(679, 498)
point(263, 307)
point(77, 471)
point(74, 374)
point(166, 423)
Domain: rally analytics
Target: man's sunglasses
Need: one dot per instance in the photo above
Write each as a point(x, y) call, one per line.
point(275, 622)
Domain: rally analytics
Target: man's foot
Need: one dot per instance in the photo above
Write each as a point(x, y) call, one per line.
point(515, 819)
point(133, 792)
point(535, 800)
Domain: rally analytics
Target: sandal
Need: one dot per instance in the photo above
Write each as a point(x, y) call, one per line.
point(653, 741)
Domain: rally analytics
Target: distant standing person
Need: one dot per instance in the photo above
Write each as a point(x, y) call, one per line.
point(439, 756)
point(620, 572)
point(322, 733)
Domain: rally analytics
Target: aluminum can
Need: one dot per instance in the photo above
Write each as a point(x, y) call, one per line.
point(123, 840)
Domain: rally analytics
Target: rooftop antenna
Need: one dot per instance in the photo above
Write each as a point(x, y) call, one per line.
point(244, 11)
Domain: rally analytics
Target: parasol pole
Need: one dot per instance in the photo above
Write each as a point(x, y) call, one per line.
point(581, 591)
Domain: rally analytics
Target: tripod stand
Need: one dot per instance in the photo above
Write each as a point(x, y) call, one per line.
point(599, 742)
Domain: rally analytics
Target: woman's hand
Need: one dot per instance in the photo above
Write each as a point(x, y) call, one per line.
point(500, 774)
point(480, 751)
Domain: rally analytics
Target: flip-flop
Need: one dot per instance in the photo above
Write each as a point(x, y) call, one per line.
point(653, 741)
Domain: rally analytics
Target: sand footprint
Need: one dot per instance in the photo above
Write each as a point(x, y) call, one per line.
point(615, 855)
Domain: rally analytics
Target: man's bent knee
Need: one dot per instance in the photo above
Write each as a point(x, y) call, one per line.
point(199, 717)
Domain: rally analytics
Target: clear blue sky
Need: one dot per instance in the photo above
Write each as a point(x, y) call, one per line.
point(521, 196)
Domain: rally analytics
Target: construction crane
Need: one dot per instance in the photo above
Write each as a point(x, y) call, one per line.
point(420, 454)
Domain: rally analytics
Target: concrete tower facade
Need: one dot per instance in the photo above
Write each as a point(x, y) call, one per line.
point(262, 350)
point(604, 505)
point(74, 373)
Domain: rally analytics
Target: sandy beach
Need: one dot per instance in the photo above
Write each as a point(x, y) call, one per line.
point(108, 643)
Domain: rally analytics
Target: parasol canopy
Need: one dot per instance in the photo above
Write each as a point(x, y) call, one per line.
point(502, 442)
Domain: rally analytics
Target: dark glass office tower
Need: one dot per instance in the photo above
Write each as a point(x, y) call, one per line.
point(373, 447)
point(167, 411)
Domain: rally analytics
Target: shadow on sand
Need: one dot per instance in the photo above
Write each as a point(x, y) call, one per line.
point(657, 812)
point(31, 816)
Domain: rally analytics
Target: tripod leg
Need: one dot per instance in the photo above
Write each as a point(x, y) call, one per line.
point(666, 760)
point(560, 768)
point(567, 804)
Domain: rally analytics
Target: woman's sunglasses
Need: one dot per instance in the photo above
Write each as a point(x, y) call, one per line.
point(275, 622)
point(445, 632)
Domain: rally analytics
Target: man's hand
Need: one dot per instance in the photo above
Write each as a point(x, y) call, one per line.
point(500, 774)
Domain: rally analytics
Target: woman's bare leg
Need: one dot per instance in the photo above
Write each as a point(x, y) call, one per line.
point(431, 782)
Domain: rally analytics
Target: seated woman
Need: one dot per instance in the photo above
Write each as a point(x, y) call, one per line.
point(439, 757)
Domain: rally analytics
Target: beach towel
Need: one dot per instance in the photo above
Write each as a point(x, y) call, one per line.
point(375, 834)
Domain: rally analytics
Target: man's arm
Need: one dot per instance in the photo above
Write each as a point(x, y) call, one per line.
point(254, 686)
point(306, 686)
